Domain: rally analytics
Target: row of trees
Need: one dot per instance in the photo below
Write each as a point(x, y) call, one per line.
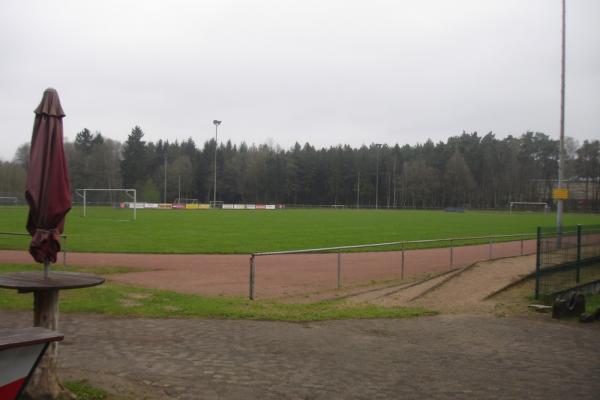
point(467, 170)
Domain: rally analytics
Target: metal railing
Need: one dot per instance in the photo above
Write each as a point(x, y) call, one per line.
point(63, 246)
point(401, 246)
point(566, 258)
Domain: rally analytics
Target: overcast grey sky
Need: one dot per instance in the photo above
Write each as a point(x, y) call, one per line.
point(326, 72)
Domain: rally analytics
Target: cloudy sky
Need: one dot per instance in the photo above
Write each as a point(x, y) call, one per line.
point(281, 71)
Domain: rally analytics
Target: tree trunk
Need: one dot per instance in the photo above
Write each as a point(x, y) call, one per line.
point(44, 383)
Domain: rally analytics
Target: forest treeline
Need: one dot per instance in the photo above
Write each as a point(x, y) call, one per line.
point(467, 170)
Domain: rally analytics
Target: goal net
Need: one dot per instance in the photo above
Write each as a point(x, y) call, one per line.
point(8, 201)
point(114, 204)
point(216, 204)
point(527, 206)
point(183, 200)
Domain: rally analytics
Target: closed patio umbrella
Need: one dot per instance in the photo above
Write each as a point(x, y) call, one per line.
point(48, 191)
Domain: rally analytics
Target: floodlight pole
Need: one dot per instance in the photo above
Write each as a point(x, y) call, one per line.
point(165, 187)
point(561, 152)
point(217, 123)
point(377, 178)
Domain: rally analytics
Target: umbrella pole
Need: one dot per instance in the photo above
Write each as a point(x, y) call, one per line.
point(46, 268)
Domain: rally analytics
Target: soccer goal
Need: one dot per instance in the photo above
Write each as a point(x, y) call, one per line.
point(528, 206)
point(120, 204)
point(216, 204)
point(8, 201)
point(183, 200)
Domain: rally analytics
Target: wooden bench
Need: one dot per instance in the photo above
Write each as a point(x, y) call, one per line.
point(20, 352)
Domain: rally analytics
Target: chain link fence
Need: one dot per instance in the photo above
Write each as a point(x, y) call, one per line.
point(566, 258)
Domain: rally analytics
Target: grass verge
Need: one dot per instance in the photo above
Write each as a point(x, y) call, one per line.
point(84, 391)
point(592, 302)
point(127, 301)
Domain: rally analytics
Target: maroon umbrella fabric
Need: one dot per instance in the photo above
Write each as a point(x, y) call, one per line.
point(48, 191)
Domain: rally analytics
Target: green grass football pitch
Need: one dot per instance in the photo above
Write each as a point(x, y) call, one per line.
point(247, 231)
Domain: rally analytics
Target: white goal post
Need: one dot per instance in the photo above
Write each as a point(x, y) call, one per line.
point(131, 193)
point(528, 203)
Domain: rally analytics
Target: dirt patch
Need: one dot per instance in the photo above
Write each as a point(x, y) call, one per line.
point(470, 290)
point(139, 296)
point(466, 290)
point(128, 303)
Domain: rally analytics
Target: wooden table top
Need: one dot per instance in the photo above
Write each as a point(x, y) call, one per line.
point(10, 338)
point(35, 280)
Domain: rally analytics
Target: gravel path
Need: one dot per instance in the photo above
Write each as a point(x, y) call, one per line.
point(442, 357)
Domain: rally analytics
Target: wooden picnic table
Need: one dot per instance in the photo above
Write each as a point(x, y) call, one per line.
point(45, 287)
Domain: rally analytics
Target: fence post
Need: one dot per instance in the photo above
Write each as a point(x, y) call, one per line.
point(538, 247)
point(578, 253)
point(65, 251)
point(339, 271)
point(521, 244)
point(402, 271)
point(252, 276)
point(451, 254)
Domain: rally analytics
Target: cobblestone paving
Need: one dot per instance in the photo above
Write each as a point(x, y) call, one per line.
point(442, 357)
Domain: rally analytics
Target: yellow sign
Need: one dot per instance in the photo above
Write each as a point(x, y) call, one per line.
point(560, 194)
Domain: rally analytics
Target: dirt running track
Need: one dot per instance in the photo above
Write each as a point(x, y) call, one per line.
point(277, 275)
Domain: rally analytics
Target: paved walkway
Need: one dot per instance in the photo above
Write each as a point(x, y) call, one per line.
point(443, 357)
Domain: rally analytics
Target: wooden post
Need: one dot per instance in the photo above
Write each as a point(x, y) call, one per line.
point(44, 383)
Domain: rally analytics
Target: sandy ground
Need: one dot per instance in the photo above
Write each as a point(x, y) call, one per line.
point(469, 290)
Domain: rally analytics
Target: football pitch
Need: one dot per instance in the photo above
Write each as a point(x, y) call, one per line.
point(247, 231)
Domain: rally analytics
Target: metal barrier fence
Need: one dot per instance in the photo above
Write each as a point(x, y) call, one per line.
point(491, 243)
point(566, 258)
point(63, 245)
